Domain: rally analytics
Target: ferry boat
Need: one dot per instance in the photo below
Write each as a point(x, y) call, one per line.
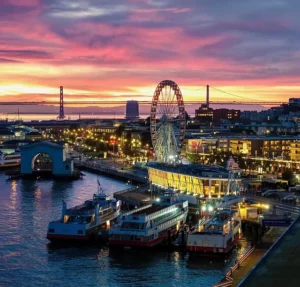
point(150, 225)
point(10, 160)
point(86, 221)
point(217, 235)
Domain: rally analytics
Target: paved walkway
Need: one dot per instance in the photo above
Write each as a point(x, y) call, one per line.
point(247, 265)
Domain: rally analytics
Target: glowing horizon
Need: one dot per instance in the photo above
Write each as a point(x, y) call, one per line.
point(122, 51)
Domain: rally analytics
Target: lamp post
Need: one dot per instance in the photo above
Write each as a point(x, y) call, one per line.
point(220, 186)
point(209, 187)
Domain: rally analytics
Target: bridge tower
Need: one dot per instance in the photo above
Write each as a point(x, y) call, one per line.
point(61, 104)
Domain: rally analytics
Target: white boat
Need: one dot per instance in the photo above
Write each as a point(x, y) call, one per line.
point(150, 225)
point(10, 160)
point(217, 235)
point(84, 222)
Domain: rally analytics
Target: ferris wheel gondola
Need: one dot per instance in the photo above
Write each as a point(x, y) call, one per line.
point(167, 122)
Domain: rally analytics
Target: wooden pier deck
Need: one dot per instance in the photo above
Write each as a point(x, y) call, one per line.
point(114, 172)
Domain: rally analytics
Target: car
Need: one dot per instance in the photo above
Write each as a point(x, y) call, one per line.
point(273, 195)
point(249, 201)
point(290, 199)
point(266, 193)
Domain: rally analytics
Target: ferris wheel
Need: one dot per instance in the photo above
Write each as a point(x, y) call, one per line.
point(167, 122)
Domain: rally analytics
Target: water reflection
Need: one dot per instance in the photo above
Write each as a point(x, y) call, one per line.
point(27, 258)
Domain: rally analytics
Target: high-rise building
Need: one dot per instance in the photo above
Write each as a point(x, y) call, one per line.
point(132, 110)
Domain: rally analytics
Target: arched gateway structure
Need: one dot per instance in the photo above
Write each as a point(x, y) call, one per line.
point(60, 165)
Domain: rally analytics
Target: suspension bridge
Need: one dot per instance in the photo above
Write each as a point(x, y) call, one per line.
point(90, 100)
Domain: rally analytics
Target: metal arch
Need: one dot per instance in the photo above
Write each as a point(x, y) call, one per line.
point(181, 111)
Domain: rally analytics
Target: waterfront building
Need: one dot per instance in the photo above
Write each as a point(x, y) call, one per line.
point(193, 179)
point(206, 114)
point(33, 136)
point(132, 110)
point(284, 147)
point(226, 114)
point(106, 129)
point(5, 135)
point(295, 151)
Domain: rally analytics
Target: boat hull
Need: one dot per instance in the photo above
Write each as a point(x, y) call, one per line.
point(208, 250)
point(9, 165)
point(65, 237)
point(142, 244)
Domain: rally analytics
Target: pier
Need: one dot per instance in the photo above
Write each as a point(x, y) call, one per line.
point(102, 167)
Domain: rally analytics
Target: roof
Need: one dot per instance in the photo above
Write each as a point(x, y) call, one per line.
point(199, 170)
point(6, 132)
point(34, 134)
point(42, 143)
point(14, 142)
point(280, 265)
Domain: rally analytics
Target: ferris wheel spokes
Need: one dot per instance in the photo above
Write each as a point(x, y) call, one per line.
point(167, 121)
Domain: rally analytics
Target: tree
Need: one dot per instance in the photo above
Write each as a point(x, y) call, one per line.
point(289, 176)
point(194, 157)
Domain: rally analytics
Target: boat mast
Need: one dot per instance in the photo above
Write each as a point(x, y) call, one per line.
point(100, 190)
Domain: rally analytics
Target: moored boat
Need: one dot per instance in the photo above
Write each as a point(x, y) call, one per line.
point(150, 225)
point(84, 222)
point(217, 235)
point(10, 160)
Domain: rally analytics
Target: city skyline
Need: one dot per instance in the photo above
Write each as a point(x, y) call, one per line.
point(119, 50)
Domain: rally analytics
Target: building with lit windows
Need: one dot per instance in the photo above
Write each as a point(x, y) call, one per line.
point(284, 147)
point(204, 114)
point(226, 114)
point(6, 135)
point(193, 179)
point(295, 151)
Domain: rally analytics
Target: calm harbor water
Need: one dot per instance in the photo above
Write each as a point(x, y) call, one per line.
point(27, 258)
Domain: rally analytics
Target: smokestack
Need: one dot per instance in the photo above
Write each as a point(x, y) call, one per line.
point(207, 95)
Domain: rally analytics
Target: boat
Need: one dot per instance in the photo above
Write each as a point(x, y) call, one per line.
point(150, 225)
point(217, 235)
point(10, 160)
point(86, 221)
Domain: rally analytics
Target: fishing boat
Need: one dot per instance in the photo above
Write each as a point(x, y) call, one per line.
point(85, 221)
point(150, 225)
point(217, 235)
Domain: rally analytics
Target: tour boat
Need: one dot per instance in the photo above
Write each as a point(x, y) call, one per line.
point(10, 160)
point(150, 225)
point(217, 235)
point(85, 221)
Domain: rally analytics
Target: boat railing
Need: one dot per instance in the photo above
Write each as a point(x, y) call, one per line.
point(169, 217)
point(169, 221)
point(81, 211)
point(136, 210)
point(75, 208)
point(133, 230)
point(211, 231)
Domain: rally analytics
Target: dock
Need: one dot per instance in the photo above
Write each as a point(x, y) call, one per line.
point(125, 174)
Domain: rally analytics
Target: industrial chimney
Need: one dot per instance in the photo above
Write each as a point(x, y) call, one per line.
point(207, 96)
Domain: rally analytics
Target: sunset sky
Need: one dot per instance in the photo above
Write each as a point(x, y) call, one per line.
point(110, 49)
